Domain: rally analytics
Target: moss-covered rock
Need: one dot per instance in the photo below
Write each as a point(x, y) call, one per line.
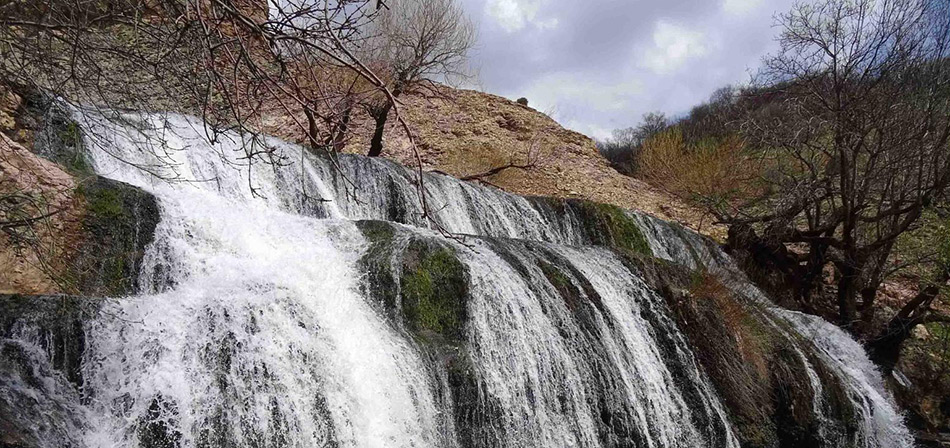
point(614, 227)
point(118, 223)
point(419, 281)
point(434, 285)
point(604, 224)
point(423, 287)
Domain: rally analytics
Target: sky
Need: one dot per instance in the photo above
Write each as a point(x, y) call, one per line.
point(598, 65)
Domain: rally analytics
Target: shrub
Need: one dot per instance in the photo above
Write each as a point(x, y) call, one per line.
point(713, 171)
point(522, 101)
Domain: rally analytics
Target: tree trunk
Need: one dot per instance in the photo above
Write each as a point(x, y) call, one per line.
point(376, 144)
point(878, 264)
point(312, 130)
point(847, 294)
point(811, 276)
point(885, 348)
point(339, 139)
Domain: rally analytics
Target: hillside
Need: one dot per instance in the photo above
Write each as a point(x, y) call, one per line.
point(466, 133)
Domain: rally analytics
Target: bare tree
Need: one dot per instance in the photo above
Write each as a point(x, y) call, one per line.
point(622, 148)
point(855, 135)
point(416, 42)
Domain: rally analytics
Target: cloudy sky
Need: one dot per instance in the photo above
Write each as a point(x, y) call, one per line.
point(601, 64)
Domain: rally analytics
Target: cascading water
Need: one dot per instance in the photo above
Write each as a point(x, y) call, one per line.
point(620, 352)
point(252, 328)
point(881, 424)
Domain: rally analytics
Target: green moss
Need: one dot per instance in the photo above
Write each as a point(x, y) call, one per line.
point(431, 287)
point(605, 224)
point(376, 232)
point(434, 286)
point(74, 154)
point(555, 276)
point(118, 223)
point(612, 226)
point(70, 133)
point(105, 204)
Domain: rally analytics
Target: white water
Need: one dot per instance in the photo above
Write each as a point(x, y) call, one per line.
point(245, 273)
point(543, 363)
point(261, 335)
point(251, 330)
point(881, 424)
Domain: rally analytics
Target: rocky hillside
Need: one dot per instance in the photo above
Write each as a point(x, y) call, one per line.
point(468, 134)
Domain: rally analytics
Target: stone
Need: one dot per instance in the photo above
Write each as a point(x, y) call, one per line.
point(920, 333)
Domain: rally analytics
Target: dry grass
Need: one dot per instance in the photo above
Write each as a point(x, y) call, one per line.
point(752, 343)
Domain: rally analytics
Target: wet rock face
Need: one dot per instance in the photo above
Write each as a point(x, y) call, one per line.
point(434, 288)
point(758, 369)
point(421, 283)
point(57, 137)
point(55, 323)
point(601, 224)
point(41, 350)
point(118, 224)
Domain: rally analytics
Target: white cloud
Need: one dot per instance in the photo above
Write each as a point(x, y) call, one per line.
point(513, 15)
point(589, 129)
point(740, 7)
point(554, 91)
point(672, 46)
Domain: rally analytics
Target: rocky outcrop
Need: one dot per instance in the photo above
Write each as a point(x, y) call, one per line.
point(758, 369)
point(65, 229)
point(39, 214)
point(118, 223)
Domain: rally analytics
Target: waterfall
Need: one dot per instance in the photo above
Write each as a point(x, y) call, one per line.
point(622, 351)
point(254, 326)
point(882, 426)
